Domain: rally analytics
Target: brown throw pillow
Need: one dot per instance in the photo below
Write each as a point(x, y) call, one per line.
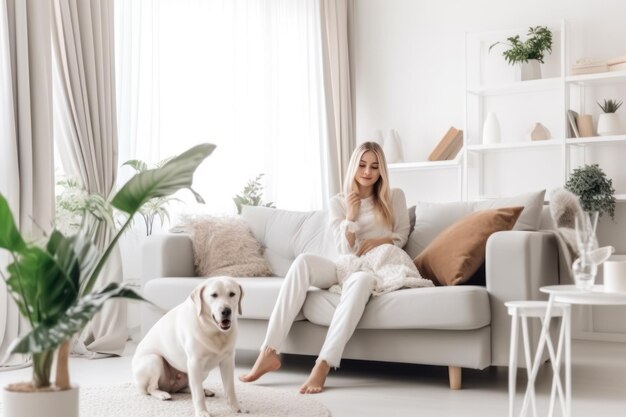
point(457, 252)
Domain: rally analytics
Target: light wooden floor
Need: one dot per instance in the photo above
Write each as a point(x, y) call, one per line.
point(379, 389)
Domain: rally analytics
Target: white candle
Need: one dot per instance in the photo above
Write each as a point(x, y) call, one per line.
point(615, 276)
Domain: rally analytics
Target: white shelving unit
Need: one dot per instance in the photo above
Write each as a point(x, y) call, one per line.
point(487, 171)
point(547, 100)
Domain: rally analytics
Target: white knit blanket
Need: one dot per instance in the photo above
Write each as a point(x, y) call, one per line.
point(392, 267)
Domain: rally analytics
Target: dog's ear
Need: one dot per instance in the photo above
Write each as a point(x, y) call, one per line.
point(196, 297)
point(240, 297)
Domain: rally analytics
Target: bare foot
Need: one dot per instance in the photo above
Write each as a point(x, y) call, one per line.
point(315, 383)
point(267, 361)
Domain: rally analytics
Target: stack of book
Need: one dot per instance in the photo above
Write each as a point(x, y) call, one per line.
point(448, 147)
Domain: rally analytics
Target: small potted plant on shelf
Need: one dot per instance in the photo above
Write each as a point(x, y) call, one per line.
point(54, 284)
point(608, 122)
point(528, 55)
point(594, 189)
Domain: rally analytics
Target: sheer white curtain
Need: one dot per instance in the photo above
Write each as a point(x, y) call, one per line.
point(243, 74)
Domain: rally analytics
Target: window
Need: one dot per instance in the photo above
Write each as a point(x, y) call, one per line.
point(245, 75)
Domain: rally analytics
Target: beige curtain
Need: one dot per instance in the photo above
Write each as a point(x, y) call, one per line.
point(26, 162)
point(86, 133)
point(335, 20)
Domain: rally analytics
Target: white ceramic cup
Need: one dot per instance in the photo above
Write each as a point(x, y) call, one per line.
point(615, 276)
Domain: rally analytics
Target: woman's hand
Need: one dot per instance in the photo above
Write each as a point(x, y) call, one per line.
point(369, 244)
point(353, 204)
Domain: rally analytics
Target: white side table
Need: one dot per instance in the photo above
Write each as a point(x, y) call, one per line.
point(520, 311)
point(568, 294)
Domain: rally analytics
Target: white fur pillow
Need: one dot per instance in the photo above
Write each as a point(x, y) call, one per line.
point(225, 246)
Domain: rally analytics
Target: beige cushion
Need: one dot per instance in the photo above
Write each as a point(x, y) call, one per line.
point(457, 253)
point(285, 234)
point(464, 307)
point(433, 218)
point(224, 245)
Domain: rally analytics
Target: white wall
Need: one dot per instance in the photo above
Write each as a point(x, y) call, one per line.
point(409, 58)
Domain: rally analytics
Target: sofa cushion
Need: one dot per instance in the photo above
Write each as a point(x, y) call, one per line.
point(457, 253)
point(433, 218)
point(443, 308)
point(224, 245)
point(259, 294)
point(286, 234)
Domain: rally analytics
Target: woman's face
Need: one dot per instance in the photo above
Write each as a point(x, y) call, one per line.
point(367, 173)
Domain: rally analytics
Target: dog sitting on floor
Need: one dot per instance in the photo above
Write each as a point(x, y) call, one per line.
point(180, 350)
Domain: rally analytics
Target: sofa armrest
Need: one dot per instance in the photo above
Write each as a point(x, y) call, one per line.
point(167, 255)
point(517, 264)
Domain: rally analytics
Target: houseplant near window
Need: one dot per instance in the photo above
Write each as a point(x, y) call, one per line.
point(608, 122)
point(593, 188)
point(530, 53)
point(54, 286)
point(251, 195)
point(158, 206)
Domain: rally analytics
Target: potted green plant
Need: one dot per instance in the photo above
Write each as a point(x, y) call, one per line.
point(529, 54)
point(593, 188)
point(608, 122)
point(158, 206)
point(54, 285)
point(251, 195)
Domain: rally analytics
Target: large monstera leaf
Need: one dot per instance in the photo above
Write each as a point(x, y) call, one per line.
point(47, 336)
point(177, 173)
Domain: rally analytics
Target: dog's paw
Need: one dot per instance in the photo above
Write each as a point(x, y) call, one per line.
point(238, 409)
point(203, 414)
point(208, 393)
point(161, 395)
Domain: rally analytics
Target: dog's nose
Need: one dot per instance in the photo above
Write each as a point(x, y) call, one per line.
point(226, 312)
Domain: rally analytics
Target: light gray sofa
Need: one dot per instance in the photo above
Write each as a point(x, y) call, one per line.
point(463, 326)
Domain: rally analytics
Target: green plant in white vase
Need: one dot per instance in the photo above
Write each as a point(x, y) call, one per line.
point(608, 122)
point(54, 284)
point(530, 53)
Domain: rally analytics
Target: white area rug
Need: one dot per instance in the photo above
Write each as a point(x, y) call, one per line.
point(124, 400)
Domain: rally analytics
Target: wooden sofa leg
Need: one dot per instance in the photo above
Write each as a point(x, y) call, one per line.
point(454, 373)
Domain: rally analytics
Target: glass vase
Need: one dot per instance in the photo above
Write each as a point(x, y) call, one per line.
point(584, 268)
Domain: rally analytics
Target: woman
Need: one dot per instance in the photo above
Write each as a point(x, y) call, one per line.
point(365, 216)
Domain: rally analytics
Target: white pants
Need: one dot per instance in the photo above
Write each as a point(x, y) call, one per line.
point(311, 270)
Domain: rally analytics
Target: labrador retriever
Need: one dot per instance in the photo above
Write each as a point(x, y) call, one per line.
point(180, 350)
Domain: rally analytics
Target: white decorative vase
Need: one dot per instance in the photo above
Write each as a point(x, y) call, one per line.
point(391, 146)
point(530, 70)
point(49, 404)
point(491, 129)
point(608, 124)
point(539, 132)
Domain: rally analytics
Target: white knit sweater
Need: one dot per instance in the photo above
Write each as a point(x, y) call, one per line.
point(366, 225)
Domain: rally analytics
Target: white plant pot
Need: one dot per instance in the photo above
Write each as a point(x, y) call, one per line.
point(608, 124)
point(530, 70)
point(49, 404)
point(491, 129)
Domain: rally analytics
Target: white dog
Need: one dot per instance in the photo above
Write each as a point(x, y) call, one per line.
point(182, 348)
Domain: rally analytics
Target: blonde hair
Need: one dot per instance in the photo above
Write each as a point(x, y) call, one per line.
point(382, 192)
